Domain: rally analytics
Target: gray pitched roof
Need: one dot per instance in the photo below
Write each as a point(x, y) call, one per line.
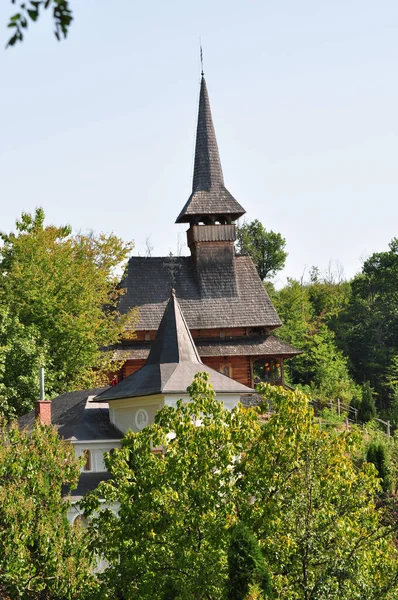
point(228, 346)
point(91, 424)
point(147, 283)
point(87, 483)
point(209, 195)
point(171, 365)
point(62, 407)
point(76, 422)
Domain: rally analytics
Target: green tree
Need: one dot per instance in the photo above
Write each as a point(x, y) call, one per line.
point(377, 455)
point(306, 315)
point(266, 248)
point(58, 294)
point(246, 565)
point(20, 361)
point(314, 508)
point(29, 12)
point(368, 326)
point(41, 556)
point(171, 537)
point(367, 408)
point(304, 492)
point(391, 385)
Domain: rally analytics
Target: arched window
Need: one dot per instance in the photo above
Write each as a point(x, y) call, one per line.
point(226, 370)
point(87, 460)
point(81, 521)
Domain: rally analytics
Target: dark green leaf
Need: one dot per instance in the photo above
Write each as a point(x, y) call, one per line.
point(33, 14)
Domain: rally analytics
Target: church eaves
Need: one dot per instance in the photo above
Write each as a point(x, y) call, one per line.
point(209, 198)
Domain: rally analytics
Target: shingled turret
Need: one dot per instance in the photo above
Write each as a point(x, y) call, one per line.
point(210, 211)
point(172, 364)
point(210, 200)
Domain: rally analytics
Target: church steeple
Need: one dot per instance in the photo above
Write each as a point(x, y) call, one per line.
point(210, 201)
point(207, 170)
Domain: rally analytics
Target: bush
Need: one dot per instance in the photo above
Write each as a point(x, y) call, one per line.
point(367, 409)
point(247, 572)
point(378, 456)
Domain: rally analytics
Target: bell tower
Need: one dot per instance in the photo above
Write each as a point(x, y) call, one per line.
point(211, 210)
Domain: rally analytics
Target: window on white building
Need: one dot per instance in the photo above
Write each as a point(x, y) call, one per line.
point(87, 458)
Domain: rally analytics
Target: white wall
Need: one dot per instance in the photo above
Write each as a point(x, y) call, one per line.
point(75, 512)
point(97, 450)
point(135, 413)
point(229, 400)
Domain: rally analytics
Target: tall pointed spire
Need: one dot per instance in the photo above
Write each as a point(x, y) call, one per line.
point(207, 171)
point(209, 198)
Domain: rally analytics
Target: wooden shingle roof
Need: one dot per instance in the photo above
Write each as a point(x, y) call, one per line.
point(242, 346)
point(244, 304)
point(209, 195)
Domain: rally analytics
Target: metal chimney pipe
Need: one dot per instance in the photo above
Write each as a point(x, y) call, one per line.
point(42, 395)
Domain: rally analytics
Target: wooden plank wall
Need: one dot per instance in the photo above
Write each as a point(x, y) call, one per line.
point(239, 365)
point(131, 366)
point(198, 334)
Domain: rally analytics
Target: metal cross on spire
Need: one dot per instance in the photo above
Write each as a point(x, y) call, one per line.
point(201, 58)
point(172, 265)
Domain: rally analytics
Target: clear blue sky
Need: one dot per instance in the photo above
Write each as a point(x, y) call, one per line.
point(99, 129)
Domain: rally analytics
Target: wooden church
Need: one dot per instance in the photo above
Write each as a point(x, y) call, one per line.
point(220, 324)
point(228, 311)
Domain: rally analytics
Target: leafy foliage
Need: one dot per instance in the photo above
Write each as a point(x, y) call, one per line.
point(368, 327)
point(58, 307)
point(306, 311)
point(314, 508)
point(172, 533)
point(41, 556)
point(266, 248)
point(20, 360)
point(30, 12)
point(303, 491)
point(348, 331)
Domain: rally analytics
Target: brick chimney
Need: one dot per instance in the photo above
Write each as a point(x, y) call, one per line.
point(43, 411)
point(43, 407)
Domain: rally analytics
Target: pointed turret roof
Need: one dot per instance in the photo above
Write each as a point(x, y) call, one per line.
point(173, 342)
point(172, 364)
point(209, 195)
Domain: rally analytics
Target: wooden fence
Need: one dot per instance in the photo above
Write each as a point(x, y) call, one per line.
point(337, 406)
